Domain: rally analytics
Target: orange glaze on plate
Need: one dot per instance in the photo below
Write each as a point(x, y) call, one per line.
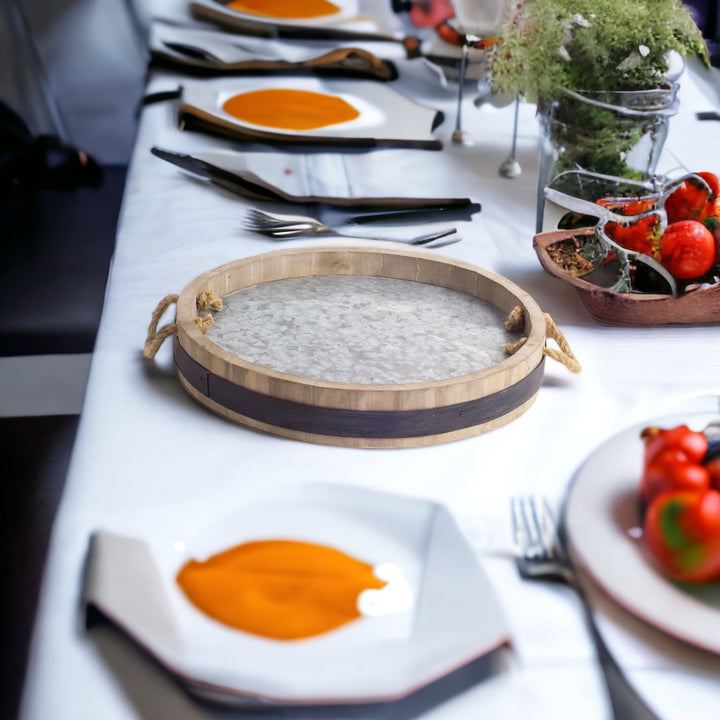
point(290, 109)
point(285, 9)
point(280, 589)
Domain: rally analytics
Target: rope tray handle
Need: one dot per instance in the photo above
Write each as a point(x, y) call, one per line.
point(205, 300)
point(563, 354)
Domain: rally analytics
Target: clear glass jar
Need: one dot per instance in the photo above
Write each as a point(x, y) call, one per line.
point(614, 133)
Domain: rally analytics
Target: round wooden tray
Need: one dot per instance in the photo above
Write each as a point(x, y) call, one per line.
point(356, 414)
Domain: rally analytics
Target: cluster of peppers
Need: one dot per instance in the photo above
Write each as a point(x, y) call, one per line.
point(689, 246)
point(680, 495)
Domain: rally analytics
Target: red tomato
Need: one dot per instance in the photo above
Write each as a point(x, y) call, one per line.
point(687, 249)
point(682, 531)
point(449, 34)
point(692, 201)
point(425, 15)
point(713, 468)
point(713, 206)
point(670, 469)
point(713, 225)
point(693, 444)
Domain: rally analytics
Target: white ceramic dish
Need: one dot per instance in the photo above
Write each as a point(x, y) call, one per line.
point(347, 11)
point(453, 619)
point(601, 519)
point(385, 116)
point(367, 16)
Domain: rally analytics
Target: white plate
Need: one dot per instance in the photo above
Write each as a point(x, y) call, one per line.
point(363, 16)
point(347, 12)
point(601, 515)
point(454, 617)
point(385, 115)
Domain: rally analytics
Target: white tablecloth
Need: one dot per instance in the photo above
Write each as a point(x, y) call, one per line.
point(144, 448)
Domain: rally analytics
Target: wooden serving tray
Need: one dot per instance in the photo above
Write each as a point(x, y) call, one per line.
point(356, 414)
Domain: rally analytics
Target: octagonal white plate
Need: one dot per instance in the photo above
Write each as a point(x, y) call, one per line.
point(354, 16)
point(385, 115)
point(602, 519)
point(453, 619)
point(347, 11)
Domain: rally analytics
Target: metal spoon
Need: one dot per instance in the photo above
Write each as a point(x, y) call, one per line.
point(511, 167)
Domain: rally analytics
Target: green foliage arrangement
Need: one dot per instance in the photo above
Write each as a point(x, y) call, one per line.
point(588, 45)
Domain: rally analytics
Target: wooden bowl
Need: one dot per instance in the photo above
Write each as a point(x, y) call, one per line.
point(403, 414)
point(629, 309)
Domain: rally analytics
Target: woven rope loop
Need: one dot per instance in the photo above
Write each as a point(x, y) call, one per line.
point(563, 354)
point(155, 337)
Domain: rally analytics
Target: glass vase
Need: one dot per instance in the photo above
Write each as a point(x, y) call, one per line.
point(617, 134)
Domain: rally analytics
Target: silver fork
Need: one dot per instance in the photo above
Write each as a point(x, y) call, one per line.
point(283, 227)
point(543, 556)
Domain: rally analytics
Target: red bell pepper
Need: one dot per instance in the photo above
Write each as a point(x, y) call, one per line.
point(642, 236)
point(682, 531)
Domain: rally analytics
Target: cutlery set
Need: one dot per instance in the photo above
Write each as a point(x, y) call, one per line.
point(240, 45)
point(542, 555)
point(284, 227)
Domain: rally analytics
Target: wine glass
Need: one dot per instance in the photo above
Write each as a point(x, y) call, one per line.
point(478, 22)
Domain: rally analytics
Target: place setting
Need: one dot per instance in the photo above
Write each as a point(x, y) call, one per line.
point(396, 581)
point(362, 20)
point(204, 52)
point(348, 583)
point(308, 112)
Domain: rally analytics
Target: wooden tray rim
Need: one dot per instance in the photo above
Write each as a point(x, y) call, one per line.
point(395, 263)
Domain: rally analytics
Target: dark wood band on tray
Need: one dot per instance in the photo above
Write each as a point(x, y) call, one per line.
point(355, 423)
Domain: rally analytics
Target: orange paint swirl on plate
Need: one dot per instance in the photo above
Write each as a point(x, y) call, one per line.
point(290, 109)
point(285, 9)
point(280, 589)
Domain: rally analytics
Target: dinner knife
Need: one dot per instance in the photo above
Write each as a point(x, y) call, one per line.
point(224, 178)
point(332, 213)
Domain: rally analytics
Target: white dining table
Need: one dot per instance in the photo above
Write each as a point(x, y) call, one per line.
point(145, 451)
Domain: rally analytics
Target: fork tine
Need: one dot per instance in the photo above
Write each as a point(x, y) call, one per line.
point(521, 528)
point(529, 528)
point(538, 524)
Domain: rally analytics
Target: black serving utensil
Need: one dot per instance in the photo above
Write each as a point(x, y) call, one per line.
point(412, 215)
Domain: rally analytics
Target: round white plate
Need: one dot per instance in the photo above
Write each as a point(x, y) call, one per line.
point(602, 523)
